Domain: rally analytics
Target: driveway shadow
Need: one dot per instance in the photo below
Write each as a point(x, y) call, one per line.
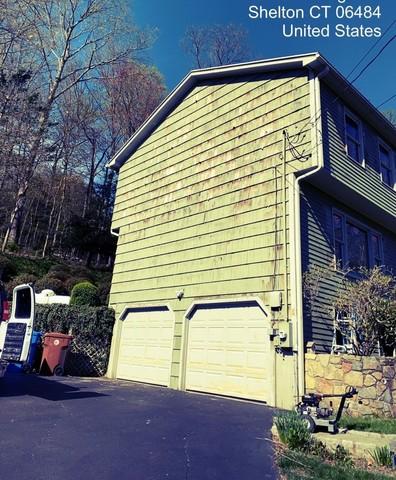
point(13, 385)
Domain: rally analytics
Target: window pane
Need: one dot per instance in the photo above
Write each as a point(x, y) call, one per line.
point(376, 247)
point(386, 175)
point(337, 222)
point(352, 128)
point(353, 149)
point(357, 247)
point(384, 157)
point(338, 248)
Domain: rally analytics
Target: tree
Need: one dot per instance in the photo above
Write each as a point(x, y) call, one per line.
point(369, 305)
point(133, 91)
point(391, 116)
point(216, 45)
point(68, 42)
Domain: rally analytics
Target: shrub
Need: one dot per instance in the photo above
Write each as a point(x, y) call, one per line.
point(342, 456)
point(59, 268)
point(382, 456)
point(293, 431)
point(71, 282)
point(84, 293)
point(23, 278)
point(12, 247)
point(82, 272)
point(91, 327)
point(93, 324)
point(370, 305)
point(103, 292)
point(62, 275)
point(7, 269)
point(52, 283)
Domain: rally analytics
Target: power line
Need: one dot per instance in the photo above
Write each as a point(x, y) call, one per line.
point(319, 112)
point(387, 100)
point(315, 117)
point(374, 59)
point(372, 48)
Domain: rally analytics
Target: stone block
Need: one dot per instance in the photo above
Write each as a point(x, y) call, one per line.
point(324, 386)
point(370, 363)
point(309, 368)
point(339, 388)
point(380, 387)
point(310, 383)
point(377, 375)
point(351, 358)
point(318, 370)
point(354, 379)
point(368, 392)
point(389, 372)
point(387, 396)
point(369, 381)
point(323, 359)
point(335, 359)
point(333, 373)
point(310, 356)
point(357, 365)
point(346, 366)
point(365, 410)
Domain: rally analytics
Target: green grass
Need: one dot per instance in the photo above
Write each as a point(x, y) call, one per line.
point(370, 424)
point(298, 466)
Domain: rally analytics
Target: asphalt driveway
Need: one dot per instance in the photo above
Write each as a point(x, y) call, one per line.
point(103, 429)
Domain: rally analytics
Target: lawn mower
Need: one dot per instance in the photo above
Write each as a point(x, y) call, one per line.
point(316, 416)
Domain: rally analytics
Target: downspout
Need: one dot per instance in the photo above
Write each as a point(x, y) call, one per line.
point(284, 197)
point(297, 228)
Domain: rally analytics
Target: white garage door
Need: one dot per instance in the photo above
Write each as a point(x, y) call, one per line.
point(228, 352)
point(145, 351)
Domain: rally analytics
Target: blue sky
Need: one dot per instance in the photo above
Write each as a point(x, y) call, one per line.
point(171, 18)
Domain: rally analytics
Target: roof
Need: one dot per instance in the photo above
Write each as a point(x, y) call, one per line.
point(313, 61)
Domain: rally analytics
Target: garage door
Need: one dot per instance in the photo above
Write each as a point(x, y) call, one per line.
point(145, 351)
point(228, 352)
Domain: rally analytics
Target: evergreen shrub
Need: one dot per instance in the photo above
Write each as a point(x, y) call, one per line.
point(52, 283)
point(84, 293)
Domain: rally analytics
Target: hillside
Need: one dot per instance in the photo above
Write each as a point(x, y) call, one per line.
point(51, 273)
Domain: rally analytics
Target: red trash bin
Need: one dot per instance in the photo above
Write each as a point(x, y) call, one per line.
point(55, 348)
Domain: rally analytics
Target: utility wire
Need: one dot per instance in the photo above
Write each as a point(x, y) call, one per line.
point(374, 59)
point(305, 155)
point(372, 48)
point(386, 101)
point(319, 113)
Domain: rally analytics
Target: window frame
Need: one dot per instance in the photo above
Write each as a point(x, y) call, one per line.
point(370, 232)
point(361, 160)
point(384, 146)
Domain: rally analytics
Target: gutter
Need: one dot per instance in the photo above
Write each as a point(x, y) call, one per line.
point(298, 296)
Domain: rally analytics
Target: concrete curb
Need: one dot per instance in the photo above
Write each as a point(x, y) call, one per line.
point(359, 444)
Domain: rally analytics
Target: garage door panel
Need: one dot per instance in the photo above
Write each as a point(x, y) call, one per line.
point(235, 359)
point(215, 357)
point(229, 353)
point(145, 352)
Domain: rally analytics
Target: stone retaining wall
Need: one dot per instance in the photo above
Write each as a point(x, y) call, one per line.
point(373, 377)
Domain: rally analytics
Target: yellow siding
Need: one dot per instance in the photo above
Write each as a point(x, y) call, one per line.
point(200, 204)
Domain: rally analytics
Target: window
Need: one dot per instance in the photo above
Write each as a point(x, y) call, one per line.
point(376, 249)
point(338, 239)
point(353, 143)
point(385, 158)
point(355, 245)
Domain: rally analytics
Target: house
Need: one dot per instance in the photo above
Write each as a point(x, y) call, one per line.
point(244, 177)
